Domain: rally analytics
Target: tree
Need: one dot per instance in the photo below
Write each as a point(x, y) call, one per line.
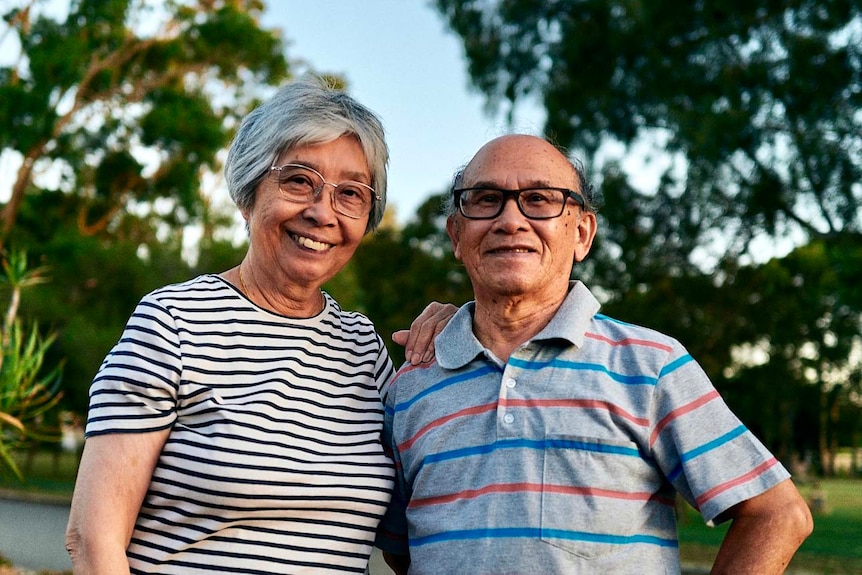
point(797, 348)
point(749, 113)
point(125, 102)
point(118, 110)
point(756, 102)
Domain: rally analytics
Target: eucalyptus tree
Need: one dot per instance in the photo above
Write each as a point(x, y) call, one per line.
point(122, 105)
point(742, 121)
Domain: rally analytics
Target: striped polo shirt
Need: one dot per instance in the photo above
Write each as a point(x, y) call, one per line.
point(274, 462)
point(564, 459)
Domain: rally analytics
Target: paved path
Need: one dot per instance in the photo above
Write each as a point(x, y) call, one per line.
point(32, 536)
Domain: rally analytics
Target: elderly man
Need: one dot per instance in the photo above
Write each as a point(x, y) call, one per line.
point(548, 438)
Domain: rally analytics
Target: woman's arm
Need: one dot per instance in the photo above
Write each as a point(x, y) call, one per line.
point(113, 478)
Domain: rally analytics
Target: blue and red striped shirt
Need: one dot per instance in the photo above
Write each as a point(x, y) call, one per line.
point(567, 457)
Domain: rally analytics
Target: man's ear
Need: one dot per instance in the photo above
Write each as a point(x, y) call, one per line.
point(586, 231)
point(453, 229)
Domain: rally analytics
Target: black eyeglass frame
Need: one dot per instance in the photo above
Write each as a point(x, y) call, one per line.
point(516, 195)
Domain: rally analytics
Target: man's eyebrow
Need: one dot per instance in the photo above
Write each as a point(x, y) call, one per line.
point(496, 185)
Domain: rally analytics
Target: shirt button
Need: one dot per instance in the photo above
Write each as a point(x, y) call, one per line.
point(508, 418)
point(510, 383)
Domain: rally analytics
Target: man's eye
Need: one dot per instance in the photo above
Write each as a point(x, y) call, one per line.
point(487, 198)
point(541, 197)
point(537, 198)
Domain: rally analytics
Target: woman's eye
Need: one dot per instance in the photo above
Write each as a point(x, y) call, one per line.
point(298, 181)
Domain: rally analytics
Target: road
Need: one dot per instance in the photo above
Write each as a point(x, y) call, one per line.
point(32, 534)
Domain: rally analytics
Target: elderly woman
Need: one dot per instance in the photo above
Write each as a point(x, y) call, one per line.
point(235, 427)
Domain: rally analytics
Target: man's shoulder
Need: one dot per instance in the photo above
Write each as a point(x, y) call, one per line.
point(614, 331)
point(425, 371)
point(413, 381)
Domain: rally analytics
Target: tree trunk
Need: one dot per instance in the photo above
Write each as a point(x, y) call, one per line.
point(826, 459)
point(10, 210)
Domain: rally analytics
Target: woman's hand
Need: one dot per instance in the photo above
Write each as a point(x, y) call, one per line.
point(418, 341)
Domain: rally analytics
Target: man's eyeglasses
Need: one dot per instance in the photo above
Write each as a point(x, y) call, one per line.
point(535, 203)
point(302, 184)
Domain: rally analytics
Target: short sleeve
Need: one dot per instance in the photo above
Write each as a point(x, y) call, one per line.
point(136, 387)
point(710, 456)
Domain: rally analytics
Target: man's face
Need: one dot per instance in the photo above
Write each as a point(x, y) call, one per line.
point(512, 255)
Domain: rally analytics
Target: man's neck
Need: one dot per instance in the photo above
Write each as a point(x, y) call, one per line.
point(502, 324)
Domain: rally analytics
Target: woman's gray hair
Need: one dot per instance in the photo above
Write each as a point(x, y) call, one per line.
point(305, 112)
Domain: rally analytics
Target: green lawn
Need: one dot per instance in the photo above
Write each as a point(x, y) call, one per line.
point(47, 473)
point(835, 547)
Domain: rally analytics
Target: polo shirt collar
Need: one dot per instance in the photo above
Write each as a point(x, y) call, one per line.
point(456, 346)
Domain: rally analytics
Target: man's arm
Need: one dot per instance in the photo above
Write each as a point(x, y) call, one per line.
point(765, 532)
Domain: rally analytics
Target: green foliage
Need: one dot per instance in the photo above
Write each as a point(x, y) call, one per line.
point(757, 100)
point(398, 272)
point(752, 108)
point(126, 116)
point(129, 106)
point(805, 324)
point(27, 391)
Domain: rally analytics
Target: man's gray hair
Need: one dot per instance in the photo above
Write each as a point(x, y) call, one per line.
point(305, 112)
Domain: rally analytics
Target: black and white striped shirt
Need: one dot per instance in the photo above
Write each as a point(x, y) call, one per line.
point(274, 462)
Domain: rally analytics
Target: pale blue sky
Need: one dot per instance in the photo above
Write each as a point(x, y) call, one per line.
point(401, 62)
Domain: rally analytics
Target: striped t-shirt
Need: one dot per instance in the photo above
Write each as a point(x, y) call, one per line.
point(564, 459)
point(274, 462)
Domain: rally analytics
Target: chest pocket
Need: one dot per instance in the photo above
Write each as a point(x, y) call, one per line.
point(593, 494)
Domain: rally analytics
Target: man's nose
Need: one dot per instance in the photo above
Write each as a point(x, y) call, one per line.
point(511, 213)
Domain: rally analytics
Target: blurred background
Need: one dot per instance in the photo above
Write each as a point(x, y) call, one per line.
point(725, 136)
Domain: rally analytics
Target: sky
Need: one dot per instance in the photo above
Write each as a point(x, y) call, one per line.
point(400, 61)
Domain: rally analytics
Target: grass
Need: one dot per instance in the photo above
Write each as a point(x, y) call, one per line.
point(835, 547)
point(47, 474)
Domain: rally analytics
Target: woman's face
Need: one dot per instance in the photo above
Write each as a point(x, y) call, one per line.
point(302, 245)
